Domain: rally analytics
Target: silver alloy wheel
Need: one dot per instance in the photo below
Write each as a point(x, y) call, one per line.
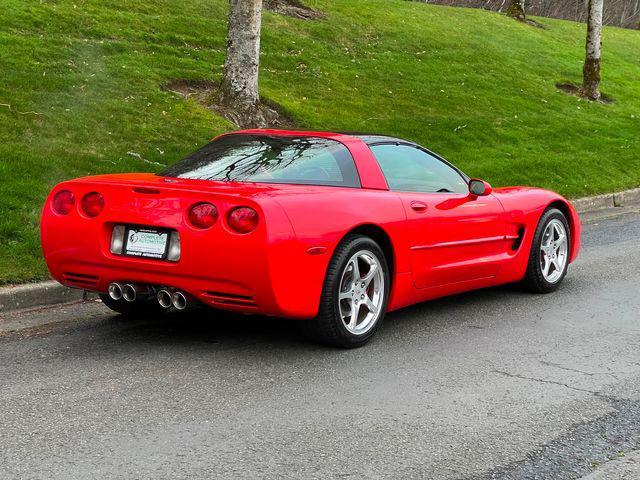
point(361, 292)
point(553, 251)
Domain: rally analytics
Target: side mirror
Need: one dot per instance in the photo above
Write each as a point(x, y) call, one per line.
point(479, 187)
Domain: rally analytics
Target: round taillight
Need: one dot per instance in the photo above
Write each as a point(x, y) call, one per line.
point(92, 204)
point(63, 202)
point(243, 219)
point(203, 215)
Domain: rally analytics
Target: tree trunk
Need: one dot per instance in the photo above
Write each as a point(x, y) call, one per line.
point(240, 74)
point(516, 10)
point(591, 72)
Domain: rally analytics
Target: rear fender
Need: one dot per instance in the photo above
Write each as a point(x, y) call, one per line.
point(299, 269)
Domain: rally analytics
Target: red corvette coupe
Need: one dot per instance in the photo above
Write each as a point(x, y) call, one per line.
point(334, 228)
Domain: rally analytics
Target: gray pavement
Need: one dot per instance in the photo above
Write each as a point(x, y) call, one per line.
point(491, 384)
point(625, 467)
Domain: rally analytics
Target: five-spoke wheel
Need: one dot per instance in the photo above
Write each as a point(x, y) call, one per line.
point(549, 257)
point(354, 295)
point(553, 249)
point(361, 292)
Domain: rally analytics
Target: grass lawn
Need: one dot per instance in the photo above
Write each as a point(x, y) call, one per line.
point(472, 85)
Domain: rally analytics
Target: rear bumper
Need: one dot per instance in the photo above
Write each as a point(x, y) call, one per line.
point(251, 273)
point(255, 288)
point(221, 293)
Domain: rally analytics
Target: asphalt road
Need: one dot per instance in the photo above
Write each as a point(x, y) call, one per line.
point(491, 384)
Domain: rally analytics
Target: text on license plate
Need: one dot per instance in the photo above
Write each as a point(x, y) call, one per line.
point(146, 242)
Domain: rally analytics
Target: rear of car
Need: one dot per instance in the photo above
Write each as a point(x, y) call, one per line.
point(209, 226)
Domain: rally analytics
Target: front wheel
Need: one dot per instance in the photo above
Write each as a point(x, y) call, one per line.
point(354, 295)
point(550, 251)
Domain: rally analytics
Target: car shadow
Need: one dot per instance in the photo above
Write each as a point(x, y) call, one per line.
point(225, 330)
point(208, 326)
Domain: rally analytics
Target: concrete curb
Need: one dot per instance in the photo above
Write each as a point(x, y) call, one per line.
point(33, 295)
point(51, 293)
point(608, 200)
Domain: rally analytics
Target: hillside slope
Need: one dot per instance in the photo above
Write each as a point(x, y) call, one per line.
point(472, 85)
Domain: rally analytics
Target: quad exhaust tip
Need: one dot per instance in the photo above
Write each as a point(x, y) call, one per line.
point(164, 298)
point(115, 291)
point(129, 293)
point(179, 301)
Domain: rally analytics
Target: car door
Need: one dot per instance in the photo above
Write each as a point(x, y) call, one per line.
point(453, 236)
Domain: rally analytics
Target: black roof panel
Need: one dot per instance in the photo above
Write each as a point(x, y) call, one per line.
point(370, 138)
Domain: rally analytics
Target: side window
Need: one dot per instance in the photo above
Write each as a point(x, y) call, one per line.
point(409, 169)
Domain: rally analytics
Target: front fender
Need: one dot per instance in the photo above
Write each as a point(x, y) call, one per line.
point(523, 207)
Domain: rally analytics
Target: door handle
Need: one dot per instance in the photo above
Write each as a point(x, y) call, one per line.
point(418, 206)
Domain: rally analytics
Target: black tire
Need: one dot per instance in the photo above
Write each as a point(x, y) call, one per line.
point(139, 308)
point(535, 280)
point(328, 327)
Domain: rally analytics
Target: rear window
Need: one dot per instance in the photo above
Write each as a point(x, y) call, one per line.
point(270, 159)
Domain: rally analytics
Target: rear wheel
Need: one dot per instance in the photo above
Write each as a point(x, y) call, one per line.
point(550, 251)
point(354, 295)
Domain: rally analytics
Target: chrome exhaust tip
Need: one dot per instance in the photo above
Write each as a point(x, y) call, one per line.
point(164, 298)
point(179, 301)
point(129, 292)
point(115, 291)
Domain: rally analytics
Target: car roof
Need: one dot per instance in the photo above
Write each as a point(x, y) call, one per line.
point(368, 138)
point(371, 138)
point(344, 137)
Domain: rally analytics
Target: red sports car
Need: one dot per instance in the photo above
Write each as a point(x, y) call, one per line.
point(334, 228)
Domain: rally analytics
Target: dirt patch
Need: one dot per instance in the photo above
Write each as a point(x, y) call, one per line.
point(207, 94)
point(573, 89)
point(187, 88)
point(293, 8)
point(533, 23)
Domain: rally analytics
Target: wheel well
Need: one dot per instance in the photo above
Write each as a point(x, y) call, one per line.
point(564, 208)
point(381, 238)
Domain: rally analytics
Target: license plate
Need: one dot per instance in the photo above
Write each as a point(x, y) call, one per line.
point(146, 242)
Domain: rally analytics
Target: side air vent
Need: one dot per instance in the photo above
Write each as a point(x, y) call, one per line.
point(518, 241)
point(230, 299)
point(81, 279)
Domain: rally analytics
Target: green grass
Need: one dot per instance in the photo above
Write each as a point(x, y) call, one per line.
point(472, 85)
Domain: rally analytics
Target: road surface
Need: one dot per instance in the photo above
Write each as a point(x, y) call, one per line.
point(492, 384)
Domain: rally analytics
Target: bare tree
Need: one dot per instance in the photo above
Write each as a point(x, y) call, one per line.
point(591, 72)
point(622, 13)
point(240, 74)
point(516, 10)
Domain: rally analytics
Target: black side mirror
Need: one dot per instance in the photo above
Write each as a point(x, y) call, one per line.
point(478, 187)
